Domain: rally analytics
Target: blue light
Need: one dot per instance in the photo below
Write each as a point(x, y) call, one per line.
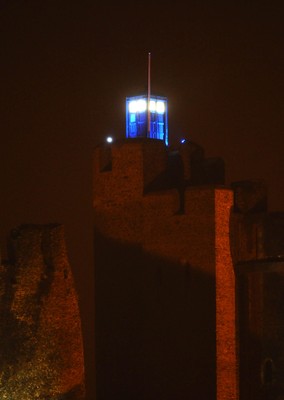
point(183, 141)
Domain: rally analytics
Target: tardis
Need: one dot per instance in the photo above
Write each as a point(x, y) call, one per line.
point(147, 120)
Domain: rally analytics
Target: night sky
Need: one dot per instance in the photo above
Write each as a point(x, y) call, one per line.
point(66, 68)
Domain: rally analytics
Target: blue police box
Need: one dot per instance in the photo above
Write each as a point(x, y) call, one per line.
point(147, 120)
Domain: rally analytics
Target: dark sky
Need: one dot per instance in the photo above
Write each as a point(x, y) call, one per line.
point(66, 68)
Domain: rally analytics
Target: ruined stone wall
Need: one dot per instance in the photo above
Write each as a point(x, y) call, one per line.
point(41, 340)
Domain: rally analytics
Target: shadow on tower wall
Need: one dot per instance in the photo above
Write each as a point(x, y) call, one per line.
point(155, 326)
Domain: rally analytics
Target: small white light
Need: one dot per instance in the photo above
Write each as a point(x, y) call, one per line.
point(183, 141)
point(160, 107)
point(109, 139)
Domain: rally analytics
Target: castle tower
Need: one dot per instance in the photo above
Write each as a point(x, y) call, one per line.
point(165, 284)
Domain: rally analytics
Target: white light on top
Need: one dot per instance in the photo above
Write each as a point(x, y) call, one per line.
point(109, 139)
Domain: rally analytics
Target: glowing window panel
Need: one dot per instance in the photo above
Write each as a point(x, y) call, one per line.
point(152, 105)
point(141, 105)
point(133, 106)
point(160, 107)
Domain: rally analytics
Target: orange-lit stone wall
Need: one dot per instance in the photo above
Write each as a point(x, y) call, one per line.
point(41, 340)
point(196, 239)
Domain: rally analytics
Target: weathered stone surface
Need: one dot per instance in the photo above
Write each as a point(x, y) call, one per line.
point(40, 332)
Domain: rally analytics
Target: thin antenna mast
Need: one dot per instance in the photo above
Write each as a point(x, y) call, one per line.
point(148, 97)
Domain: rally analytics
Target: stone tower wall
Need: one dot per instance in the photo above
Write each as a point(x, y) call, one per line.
point(197, 238)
